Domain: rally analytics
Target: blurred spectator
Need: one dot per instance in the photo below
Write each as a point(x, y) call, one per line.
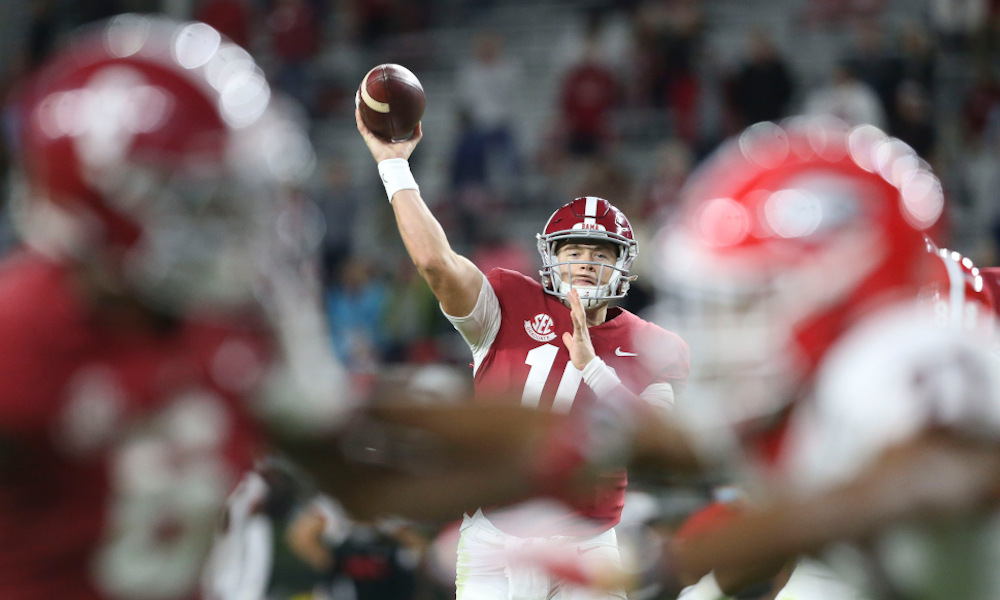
point(499, 249)
point(468, 163)
point(762, 86)
point(295, 36)
point(375, 21)
point(376, 562)
point(487, 85)
point(411, 319)
point(668, 38)
point(846, 97)
point(338, 199)
point(608, 31)
point(605, 176)
point(876, 63)
point(829, 13)
point(956, 22)
point(590, 92)
point(49, 20)
point(671, 168)
point(233, 18)
point(912, 120)
point(80, 12)
point(979, 102)
point(918, 54)
point(355, 304)
point(470, 191)
point(43, 30)
point(976, 215)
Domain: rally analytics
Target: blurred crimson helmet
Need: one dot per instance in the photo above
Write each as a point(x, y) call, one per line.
point(959, 294)
point(156, 150)
point(588, 220)
point(785, 237)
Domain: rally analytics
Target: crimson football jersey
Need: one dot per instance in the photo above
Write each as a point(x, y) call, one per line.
point(528, 360)
point(118, 447)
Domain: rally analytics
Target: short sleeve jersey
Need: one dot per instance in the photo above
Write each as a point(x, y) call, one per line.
point(117, 447)
point(515, 334)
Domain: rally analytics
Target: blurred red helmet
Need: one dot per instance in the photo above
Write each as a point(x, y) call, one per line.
point(785, 237)
point(155, 149)
point(959, 294)
point(590, 220)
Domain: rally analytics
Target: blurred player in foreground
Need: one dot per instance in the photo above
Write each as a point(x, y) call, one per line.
point(557, 345)
point(157, 333)
point(796, 268)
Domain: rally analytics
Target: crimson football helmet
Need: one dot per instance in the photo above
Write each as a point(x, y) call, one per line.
point(786, 236)
point(156, 151)
point(588, 219)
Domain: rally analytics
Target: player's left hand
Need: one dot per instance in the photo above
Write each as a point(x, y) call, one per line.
point(581, 349)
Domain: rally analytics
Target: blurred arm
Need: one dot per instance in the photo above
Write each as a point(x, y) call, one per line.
point(427, 462)
point(896, 488)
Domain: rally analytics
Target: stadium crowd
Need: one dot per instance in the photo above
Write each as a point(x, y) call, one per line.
point(627, 71)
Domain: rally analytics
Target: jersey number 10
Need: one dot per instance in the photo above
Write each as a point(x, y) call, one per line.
point(540, 360)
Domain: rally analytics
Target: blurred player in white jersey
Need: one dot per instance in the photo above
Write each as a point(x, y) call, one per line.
point(796, 268)
point(556, 345)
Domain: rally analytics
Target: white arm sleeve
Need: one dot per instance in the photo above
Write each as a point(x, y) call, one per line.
point(479, 328)
point(659, 395)
point(602, 379)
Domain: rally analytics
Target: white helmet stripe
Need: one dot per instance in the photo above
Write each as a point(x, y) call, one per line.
point(590, 212)
point(956, 292)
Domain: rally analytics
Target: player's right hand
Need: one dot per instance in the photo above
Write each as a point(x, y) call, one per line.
point(383, 150)
point(581, 348)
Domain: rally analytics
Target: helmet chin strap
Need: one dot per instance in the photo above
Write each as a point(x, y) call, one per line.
point(587, 294)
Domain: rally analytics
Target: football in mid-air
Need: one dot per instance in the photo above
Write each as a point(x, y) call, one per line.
point(391, 100)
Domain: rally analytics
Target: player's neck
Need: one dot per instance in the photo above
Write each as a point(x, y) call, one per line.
point(597, 316)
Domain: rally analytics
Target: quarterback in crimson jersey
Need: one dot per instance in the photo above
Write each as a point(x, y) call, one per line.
point(555, 345)
point(159, 325)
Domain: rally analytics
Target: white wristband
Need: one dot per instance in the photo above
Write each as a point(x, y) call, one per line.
point(395, 174)
point(599, 377)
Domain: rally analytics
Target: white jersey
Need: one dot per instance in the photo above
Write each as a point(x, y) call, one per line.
point(886, 381)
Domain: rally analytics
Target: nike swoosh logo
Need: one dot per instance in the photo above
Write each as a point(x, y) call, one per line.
point(620, 352)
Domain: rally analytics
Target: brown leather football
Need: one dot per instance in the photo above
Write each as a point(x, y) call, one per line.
point(391, 100)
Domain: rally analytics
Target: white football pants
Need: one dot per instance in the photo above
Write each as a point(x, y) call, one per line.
point(485, 571)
